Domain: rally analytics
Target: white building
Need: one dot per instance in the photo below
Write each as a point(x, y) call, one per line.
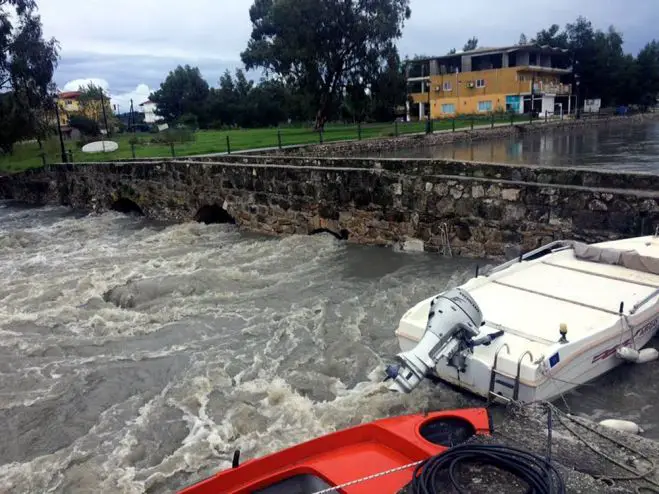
point(149, 110)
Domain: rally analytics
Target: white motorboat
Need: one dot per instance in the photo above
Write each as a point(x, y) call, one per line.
point(537, 326)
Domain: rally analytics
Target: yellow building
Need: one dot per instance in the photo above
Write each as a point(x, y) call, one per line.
point(69, 103)
point(517, 79)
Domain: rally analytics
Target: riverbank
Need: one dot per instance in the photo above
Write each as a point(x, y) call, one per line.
point(589, 457)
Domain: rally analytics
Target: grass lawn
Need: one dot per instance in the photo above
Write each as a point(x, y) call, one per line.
point(28, 155)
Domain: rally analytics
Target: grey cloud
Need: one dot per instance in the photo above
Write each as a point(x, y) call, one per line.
point(128, 42)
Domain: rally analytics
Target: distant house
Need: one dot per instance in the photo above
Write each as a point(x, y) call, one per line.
point(149, 110)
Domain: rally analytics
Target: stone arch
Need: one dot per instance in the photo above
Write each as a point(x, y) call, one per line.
point(213, 214)
point(341, 235)
point(127, 206)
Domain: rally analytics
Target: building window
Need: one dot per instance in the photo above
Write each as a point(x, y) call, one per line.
point(447, 86)
point(448, 108)
point(480, 82)
point(485, 106)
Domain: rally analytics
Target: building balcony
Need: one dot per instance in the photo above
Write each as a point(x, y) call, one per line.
point(557, 89)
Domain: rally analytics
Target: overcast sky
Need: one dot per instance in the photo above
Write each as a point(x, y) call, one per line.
point(129, 46)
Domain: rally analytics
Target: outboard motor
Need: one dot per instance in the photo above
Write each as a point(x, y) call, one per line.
point(454, 322)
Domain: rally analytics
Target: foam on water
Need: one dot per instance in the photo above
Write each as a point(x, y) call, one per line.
point(137, 357)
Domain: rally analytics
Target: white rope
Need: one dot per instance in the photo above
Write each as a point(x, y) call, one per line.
point(370, 477)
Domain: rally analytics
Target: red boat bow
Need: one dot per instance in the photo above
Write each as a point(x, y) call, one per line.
point(351, 454)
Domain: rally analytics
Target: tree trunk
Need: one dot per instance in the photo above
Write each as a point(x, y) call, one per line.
point(321, 118)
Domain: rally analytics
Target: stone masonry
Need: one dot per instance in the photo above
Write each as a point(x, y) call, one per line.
point(488, 210)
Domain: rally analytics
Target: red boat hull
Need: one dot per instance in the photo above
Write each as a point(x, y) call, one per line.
point(351, 454)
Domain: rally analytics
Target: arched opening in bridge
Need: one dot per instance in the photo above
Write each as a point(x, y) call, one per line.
point(342, 235)
point(127, 206)
point(213, 214)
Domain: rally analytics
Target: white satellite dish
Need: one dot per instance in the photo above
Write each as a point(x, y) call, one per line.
point(100, 147)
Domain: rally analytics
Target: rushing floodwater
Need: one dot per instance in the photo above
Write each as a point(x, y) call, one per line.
point(615, 147)
point(208, 340)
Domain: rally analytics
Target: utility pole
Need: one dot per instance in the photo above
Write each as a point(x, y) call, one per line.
point(59, 130)
point(131, 120)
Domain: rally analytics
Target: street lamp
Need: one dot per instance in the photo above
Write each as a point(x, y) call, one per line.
point(59, 128)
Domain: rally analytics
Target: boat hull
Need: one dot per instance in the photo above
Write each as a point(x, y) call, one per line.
point(351, 454)
point(600, 306)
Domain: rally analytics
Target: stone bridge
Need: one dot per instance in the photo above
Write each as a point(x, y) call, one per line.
point(486, 210)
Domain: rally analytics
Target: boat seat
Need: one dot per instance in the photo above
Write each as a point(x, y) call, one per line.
point(299, 484)
point(630, 259)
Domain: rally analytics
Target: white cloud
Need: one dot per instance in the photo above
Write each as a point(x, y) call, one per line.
point(76, 84)
point(120, 99)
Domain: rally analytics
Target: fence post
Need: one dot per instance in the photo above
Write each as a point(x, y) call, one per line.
point(43, 158)
point(228, 145)
point(546, 115)
point(531, 117)
point(320, 135)
point(453, 124)
point(512, 119)
point(359, 131)
point(493, 120)
point(472, 123)
point(171, 146)
point(279, 138)
point(396, 128)
point(70, 153)
point(132, 149)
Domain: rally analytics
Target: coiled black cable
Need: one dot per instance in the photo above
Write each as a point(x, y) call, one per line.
point(540, 475)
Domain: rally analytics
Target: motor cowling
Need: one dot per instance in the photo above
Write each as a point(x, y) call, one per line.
point(454, 320)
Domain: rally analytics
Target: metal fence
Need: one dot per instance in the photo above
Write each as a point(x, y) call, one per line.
point(173, 143)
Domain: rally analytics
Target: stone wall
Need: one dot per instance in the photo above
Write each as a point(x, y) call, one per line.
point(488, 211)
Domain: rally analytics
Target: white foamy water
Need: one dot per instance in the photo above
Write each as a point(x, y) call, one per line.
point(136, 357)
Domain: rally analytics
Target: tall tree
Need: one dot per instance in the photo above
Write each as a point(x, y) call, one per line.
point(184, 91)
point(522, 39)
point(318, 46)
point(471, 44)
point(648, 74)
point(93, 101)
point(27, 64)
point(552, 37)
point(388, 89)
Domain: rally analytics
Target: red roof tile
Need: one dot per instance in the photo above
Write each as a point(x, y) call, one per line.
point(70, 94)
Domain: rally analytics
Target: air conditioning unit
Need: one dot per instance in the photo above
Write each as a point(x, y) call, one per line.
point(471, 84)
point(438, 89)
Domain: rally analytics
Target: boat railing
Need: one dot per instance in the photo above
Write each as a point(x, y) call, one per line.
point(554, 246)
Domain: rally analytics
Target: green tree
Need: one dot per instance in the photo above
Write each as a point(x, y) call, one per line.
point(552, 37)
point(183, 91)
point(522, 39)
point(599, 62)
point(27, 64)
point(388, 89)
point(647, 66)
point(93, 102)
point(318, 46)
point(87, 126)
point(471, 44)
